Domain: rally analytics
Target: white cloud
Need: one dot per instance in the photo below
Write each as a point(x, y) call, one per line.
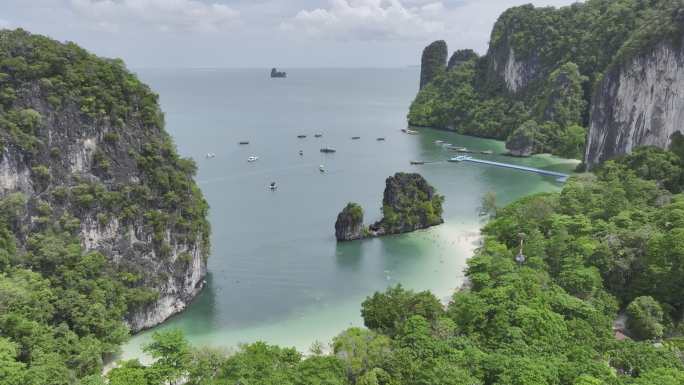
point(463, 23)
point(369, 20)
point(164, 15)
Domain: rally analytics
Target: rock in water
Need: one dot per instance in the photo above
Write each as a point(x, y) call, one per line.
point(409, 204)
point(434, 59)
point(349, 224)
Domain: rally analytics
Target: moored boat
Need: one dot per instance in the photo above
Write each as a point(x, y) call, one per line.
point(328, 150)
point(301, 136)
point(356, 137)
point(244, 142)
point(252, 158)
point(380, 139)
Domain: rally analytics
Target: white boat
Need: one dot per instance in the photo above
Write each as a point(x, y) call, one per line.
point(252, 158)
point(211, 155)
point(439, 141)
point(273, 186)
point(460, 158)
point(321, 168)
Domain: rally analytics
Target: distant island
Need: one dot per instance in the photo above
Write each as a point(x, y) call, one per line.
point(409, 203)
point(278, 74)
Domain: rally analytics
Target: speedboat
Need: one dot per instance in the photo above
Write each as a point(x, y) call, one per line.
point(318, 135)
point(273, 186)
point(252, 158)
point(439, 141)
point(412, 132)
point(321, 168)
point(301, 152)
point(211, 155)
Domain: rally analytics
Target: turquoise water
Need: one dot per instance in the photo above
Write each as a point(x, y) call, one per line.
point(276, 273)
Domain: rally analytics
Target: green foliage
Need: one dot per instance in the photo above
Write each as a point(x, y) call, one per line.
point(409, 203)
point(385, 312)
point(644, 318)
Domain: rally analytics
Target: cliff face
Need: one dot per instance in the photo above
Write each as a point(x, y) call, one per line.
point(103, 169)
point(409, 203)
point(517, 74)
point(349, 224)
point(638, 103)
point(433, 61)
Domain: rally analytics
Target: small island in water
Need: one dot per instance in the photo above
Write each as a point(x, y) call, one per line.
point(409, 203)
point(278, 74)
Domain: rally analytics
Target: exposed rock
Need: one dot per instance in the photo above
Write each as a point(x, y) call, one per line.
point(96, 171)
point(638, 103)
point(349, 224)
point(409, 203)
point(434, 60)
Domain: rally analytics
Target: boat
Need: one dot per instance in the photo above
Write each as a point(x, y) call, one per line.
point(318, 135)
point(321, 168)
point(328, 150)
point(211, 155)
point(403, 130)
point(252, 158)
point(417, 162)
point(301, 152)
point(356, 137)
point(487, 152)
point(273, 186)
point(380, 139)
point(301, 136)
point(244, 142)
point(439, 141)
point(460, 158)
point(411, 132)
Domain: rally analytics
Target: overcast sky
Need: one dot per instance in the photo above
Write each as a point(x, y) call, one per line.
point(262, 33)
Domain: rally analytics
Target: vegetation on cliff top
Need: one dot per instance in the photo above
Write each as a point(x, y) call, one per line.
point(62, 308)
point(409, 203)
point(564, 52)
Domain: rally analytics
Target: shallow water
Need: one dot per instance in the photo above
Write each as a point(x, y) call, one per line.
point(276, 272)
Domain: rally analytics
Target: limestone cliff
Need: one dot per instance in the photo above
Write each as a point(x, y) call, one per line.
point(349, 224)
point(83, 140)
point(409, 203)
point(434, 59)
point(640, 102)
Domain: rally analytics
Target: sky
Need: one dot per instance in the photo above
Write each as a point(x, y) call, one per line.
point(262, 33)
